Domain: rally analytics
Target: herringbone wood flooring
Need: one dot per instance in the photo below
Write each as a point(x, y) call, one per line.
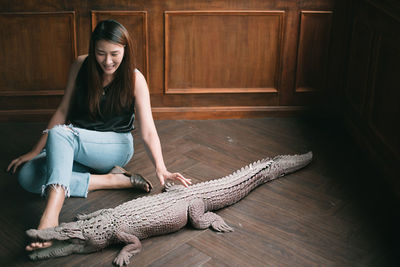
point(335, 212)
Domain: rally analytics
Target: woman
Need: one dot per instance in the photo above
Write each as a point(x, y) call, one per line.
point(89, 135)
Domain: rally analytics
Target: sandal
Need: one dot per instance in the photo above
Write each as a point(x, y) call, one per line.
point(137, 180)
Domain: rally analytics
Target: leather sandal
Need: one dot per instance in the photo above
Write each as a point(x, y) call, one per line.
point(137, 180)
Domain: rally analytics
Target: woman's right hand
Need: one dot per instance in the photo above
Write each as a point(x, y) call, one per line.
point(12, 167)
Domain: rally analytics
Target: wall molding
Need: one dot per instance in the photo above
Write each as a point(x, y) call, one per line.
point(14, 40)
point(169, 113)
point(307, 26)
point(32, 93)
point(232, 112)
point(169, 15)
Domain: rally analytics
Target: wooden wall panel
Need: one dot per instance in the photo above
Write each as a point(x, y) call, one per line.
point(202, 59)
point(36, 51)
point(359, 67)
point(223, 52)
point(385, 107)
point(136, 24)
point(313, 50)
point(372, 107)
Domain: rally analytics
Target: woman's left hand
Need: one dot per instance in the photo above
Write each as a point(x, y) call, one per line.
point(166, 175)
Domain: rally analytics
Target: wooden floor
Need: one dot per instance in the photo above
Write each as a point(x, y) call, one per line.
point(335, 212)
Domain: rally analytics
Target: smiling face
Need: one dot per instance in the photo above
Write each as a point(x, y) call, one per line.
point(109, 56)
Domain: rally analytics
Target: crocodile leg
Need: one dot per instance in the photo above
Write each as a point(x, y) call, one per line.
point(132, 248)
point(202, 220)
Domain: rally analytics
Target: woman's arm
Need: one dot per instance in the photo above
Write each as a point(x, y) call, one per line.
point(58, 117)
point(149, 132)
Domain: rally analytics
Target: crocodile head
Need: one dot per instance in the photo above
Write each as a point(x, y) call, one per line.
point(286, 164)
point(66, 239)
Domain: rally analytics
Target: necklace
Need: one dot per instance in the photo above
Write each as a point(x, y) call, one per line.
point(105, 89)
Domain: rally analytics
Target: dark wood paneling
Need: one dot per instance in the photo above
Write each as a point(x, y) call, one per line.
point(359, 67)
point(313, 50)
point(136, 24)
point(372, 108)
point(37, 49)
point(195, 53)
point(223, 52)
point(385, 107)
point(20, 102)
point(30, 44)
point(26, 115)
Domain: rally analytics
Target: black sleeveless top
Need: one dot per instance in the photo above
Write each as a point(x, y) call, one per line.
point(78, 114)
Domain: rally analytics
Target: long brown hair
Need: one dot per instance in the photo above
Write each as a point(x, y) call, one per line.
point(121, 90)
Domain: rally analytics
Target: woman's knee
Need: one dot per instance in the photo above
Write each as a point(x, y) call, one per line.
point(58, 133)
point(59, 130)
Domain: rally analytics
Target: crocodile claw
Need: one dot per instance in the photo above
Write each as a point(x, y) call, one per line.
point(122, 259)
point(221, 226)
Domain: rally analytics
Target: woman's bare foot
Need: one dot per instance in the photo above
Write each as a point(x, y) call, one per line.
point(44, 223)
point(55, 200)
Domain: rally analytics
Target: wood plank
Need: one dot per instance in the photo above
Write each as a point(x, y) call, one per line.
point(218, 246)
point(184, 255)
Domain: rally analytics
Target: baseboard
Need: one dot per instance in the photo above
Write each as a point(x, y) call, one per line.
point(26, 115)
point(229, 112)
point(177, 113)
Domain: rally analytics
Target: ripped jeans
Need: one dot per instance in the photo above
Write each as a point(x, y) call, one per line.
point(71, 154)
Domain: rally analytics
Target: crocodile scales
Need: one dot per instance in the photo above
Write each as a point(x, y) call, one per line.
point(162, 213)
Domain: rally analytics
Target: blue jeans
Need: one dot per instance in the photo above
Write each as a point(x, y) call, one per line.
point(71, 154)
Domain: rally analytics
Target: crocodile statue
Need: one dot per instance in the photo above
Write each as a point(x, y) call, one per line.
point(162, 213)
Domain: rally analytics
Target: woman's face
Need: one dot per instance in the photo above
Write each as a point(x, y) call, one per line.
point(109, 55)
